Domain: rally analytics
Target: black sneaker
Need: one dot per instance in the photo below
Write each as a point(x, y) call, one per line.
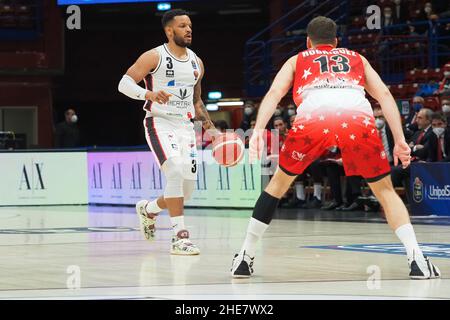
point(331, 206)
point(424, 270)
point(353, 207)
point(242, 266)
point(313, 204)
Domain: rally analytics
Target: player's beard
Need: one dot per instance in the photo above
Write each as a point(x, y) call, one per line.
point(181, 41)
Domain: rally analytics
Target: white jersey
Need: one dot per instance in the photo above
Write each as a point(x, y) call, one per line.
point(178, 78)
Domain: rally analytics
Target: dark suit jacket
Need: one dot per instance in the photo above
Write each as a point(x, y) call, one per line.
point(390, 139)
point(447, 145)
point(410, 129)
point(429, 141)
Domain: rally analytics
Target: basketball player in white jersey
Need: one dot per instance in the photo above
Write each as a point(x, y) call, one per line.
point(328, 88)
point(172, 74)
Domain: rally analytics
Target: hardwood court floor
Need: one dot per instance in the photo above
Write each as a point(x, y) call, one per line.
point(302, 256)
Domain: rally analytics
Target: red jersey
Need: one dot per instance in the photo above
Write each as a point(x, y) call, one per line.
point(327, 68)
point(333, 112)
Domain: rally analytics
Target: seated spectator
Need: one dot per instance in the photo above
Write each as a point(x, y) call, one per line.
point(440, 129)
point(423, 149)
point(249, 114)
point(411, 120)
point(290, 111)
point(385, 134)
point(445, 108)
point(279, 132)
point(423, 140)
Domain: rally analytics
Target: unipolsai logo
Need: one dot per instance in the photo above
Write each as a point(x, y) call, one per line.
point(31, 176)
point(418, 190)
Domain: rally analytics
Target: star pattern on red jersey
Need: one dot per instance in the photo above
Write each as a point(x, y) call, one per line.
point(359, 143)
point(306, 73)
point(307, 140)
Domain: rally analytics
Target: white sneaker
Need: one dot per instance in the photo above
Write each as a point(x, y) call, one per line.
point(147, 224)
point(423, 269)
point(181, 245)
point(242, 266)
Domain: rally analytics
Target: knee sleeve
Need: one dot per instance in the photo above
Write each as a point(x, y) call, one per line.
point(265, 208)
point(173, 172)
point(188, 189)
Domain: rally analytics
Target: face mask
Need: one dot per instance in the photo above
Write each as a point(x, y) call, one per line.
point(291, 112)
point(446, 108)
point(379, 123)
point(387, 15)
point(427, 9)
point(277, 112)
point(446, 73)
point(397, 1)
point(74, 118)
point(417, 107)
point(248, 111)
point(438, 131)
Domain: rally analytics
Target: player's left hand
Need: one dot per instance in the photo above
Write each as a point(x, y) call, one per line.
point(402, 152)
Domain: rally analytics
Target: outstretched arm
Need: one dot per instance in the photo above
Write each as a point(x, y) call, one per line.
point(200, 110)
point(280, 86)
point(378, 90)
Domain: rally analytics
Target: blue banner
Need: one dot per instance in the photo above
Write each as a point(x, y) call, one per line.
point(430, 184)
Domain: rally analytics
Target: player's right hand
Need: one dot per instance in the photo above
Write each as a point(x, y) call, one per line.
point(160, 97)
point(402, 152)
point(256, 145)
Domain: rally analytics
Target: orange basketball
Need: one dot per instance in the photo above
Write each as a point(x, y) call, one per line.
point(228, 149)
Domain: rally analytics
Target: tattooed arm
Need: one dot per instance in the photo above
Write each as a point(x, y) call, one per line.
point(200, 110)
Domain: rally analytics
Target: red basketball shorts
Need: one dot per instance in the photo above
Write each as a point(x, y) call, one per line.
point(353, 132)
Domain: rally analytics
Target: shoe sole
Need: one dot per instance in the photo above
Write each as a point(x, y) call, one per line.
point(424, 278)
point(184, 254)
point(239, 276)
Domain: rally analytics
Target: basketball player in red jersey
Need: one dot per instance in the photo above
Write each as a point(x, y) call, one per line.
point(328, 89)
point(172, 75)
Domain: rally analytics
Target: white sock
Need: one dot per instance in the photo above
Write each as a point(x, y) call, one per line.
point(318, 191)
point(255, 231)
point(152, 207)
point(300, 191)
point(177, 224)
point(407, 236)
